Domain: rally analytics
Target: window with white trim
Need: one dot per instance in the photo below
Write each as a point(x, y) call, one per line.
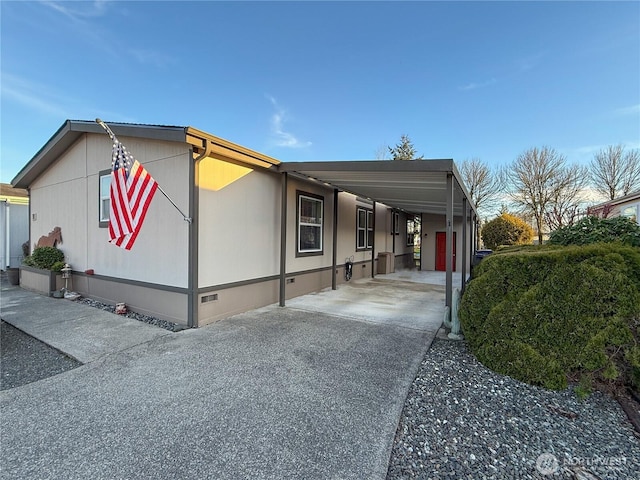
point(395, 223)
point(310, 220)
point(364, 229)
point(105, 197)
point(631, 212)
point(411, 231)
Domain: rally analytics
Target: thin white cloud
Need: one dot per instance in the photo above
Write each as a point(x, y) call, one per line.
point(33, 95)
point(79, 10)
point(475, 86)
point(631, 110)
point(82, 15)
point(282, 137)
point(45, 100)
point(151, 57)
point(525, 64)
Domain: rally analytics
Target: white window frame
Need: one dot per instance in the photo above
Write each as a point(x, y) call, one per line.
point(395, 223)
point(411, 232)
point(103, 216)
point(367, 229)
point(312, 198)
point(635, 206)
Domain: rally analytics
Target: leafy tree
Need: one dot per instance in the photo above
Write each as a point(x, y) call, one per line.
point(540, 180)
point(404, 150)
point(506, 230)
point(614, 172)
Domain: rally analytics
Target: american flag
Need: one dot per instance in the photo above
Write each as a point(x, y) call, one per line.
point(132, 189)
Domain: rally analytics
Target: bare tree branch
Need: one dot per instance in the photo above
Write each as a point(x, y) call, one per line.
point(614, 172)
point(382, 152)
point(539, 181)
point(567, 199)
point(483, 184)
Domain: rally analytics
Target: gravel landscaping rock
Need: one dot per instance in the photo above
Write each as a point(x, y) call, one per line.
point(463, 421)
point(172, 327)
point(23, 359)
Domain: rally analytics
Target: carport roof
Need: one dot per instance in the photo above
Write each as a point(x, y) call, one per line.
point(415, 186)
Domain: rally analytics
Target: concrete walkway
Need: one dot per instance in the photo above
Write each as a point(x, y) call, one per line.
point(272, 393)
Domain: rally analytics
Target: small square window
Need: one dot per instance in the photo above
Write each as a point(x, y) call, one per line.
point(105, 198)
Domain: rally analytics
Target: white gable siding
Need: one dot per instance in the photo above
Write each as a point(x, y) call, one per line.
point(66, 195)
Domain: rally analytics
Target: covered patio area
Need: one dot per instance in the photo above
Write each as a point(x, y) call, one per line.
point(411, 299)
point(428, 188)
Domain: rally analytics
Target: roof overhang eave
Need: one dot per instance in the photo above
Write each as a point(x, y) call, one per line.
point(329, 173)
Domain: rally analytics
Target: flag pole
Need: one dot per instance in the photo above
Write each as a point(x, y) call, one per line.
point(113, 137)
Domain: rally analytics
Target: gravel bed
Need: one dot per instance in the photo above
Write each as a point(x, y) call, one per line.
point(23, 359)
point(463, 421)
point(172, 327)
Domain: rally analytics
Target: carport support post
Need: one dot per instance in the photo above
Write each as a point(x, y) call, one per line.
point(283, 239)
point(448, 240)
point(393, 233)
point(465, 219)
point(335, 240)
point(373, 243)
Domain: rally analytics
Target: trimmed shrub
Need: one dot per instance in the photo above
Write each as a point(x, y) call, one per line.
point(57, 267)
point(547, 315)
point(597, 230)
point(506, 230)
point(44, 257)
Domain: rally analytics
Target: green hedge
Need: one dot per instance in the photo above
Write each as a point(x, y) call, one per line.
point(44, 257)
point(549, 314)
point(596, 230)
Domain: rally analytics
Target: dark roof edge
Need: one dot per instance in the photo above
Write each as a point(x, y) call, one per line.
point(71, 130)
point(616, 201)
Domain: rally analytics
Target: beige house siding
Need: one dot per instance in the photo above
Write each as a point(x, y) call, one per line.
point(431, 224)
point(239, 227)
point(66, 195)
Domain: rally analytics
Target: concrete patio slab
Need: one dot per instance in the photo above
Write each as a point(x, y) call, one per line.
point(82, 332)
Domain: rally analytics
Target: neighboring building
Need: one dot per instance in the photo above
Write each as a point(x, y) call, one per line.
point(627, 206)
point(262, 231)
point(14, 224)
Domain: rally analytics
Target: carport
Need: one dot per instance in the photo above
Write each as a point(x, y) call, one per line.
point(415, 187)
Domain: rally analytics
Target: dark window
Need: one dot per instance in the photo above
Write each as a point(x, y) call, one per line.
point(310, 223)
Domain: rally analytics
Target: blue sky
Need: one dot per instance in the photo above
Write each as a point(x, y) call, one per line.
point(329, 80)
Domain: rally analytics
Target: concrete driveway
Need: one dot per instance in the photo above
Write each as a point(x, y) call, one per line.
point(273, 393)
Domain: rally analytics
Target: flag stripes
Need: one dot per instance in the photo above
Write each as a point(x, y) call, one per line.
point(132, 189)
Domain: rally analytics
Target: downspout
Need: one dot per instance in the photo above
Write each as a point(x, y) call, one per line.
point(373, 244)
point(194, 201)
point(7, 246)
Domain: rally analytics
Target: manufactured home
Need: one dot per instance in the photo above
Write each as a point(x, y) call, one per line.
point(256, 231)
point(627, 206)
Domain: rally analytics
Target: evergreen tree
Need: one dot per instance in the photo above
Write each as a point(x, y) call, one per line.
point(404, 150)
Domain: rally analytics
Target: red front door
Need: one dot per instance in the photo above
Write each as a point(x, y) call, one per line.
point(441, 251)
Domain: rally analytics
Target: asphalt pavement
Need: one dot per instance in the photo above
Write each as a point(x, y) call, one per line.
point(272, 393)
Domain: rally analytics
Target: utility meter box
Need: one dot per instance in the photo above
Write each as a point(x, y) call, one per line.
point(386, 262)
